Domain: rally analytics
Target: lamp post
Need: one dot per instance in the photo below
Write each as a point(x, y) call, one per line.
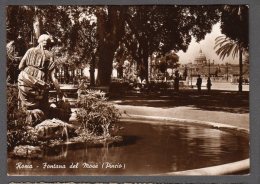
point(208, 80)
point(209, 68)
point(227, 70)
point(191, 76)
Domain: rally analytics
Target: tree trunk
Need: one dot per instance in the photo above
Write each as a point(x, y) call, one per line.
point(106, 56)
point(37, 26)
point(110, 29)
point(240, 83)
point(92, 71)
point(144, 62)
point(120, 71)
point(66, 74)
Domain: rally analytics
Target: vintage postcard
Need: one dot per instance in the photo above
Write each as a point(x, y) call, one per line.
point(129, 90)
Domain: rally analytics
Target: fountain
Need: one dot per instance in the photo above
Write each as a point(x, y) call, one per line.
point(142, 146)
point(152, 146)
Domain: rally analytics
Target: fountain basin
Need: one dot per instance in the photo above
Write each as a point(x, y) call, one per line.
point(151, 146)
point(238, 167)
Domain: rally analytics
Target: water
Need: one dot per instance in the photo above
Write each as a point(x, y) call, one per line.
point(146, 149)
point(65, 132)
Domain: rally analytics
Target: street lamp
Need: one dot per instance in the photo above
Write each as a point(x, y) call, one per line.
point(227, 70)
point(208, 80)
point(209, 68)
point(191, 75)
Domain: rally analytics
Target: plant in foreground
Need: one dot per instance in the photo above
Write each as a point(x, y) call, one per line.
point(96, 115)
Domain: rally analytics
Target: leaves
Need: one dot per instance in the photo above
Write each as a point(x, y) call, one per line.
point(89, 33)
point(235, 23)
point(95, 114)
point(225, 46)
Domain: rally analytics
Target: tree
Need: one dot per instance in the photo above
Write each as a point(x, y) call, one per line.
point(120, 57)
point(234, 24)
point(143, 29)
point(159, 29)
point(225, 47)
point(110, 30)
point(61, 22)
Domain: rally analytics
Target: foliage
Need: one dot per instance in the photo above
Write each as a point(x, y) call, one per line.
point(238, 17)
point(237, 35)
point(226, 46)
point(15, 115)
point(129, 73)
point(21, 135)
point(236, 38)
point(19, 130)
point(162, 66)
point(158, 86)
point(159, 29)
point(95, 114)
point(142, 29)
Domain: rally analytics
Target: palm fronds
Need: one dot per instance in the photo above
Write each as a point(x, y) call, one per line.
point(226, 46)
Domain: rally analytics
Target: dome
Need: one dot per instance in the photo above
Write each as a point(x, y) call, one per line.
point(201, 59)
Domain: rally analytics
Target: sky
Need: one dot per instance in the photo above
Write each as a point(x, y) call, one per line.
point(207, 47)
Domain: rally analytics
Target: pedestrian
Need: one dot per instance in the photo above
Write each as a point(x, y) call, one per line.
point(199, 82)
point(209, 84)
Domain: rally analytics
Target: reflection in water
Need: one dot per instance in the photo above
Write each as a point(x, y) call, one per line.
point(146, 149)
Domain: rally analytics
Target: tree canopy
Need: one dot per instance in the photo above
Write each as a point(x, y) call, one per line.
point(236, 36)
point(237, 16)
point(87, 32)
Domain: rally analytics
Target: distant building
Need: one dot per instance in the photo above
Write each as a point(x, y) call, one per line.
point(200, 59)
point(205, 67)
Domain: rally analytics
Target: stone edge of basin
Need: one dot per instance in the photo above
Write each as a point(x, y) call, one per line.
point(224, 169)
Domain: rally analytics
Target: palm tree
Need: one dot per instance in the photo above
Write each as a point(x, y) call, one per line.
point(225, 47)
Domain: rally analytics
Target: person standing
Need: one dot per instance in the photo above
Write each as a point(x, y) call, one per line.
point(199, 82)
point(176, 81)
point(209, 84)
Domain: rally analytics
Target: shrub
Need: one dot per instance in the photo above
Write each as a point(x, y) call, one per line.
point(19, 130)
point(95, 114)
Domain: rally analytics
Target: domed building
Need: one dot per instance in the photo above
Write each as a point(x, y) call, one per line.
point(201, 59)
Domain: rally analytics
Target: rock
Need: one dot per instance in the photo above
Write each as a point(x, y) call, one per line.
point(27, 151)
point(54, 129)
point(35, 116)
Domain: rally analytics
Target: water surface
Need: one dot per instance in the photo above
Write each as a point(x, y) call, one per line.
point(146, 149)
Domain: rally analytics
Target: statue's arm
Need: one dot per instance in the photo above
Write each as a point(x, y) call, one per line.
point(22, 64)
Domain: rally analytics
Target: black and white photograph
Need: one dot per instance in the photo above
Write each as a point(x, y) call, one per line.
point(127, 90)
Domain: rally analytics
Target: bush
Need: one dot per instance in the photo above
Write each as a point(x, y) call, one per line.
point(19, 130)
point(119, 87)
point(95, 114)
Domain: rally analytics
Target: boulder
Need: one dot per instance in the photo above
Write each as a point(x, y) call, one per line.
point(54, 129)
point(27, 151)
point(35, 116)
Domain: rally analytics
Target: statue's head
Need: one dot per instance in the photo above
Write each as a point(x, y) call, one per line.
point(44, 40)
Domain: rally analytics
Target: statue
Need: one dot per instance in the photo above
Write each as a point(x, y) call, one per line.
point(37, 71)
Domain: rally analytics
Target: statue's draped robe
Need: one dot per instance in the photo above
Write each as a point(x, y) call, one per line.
point(33, 79)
